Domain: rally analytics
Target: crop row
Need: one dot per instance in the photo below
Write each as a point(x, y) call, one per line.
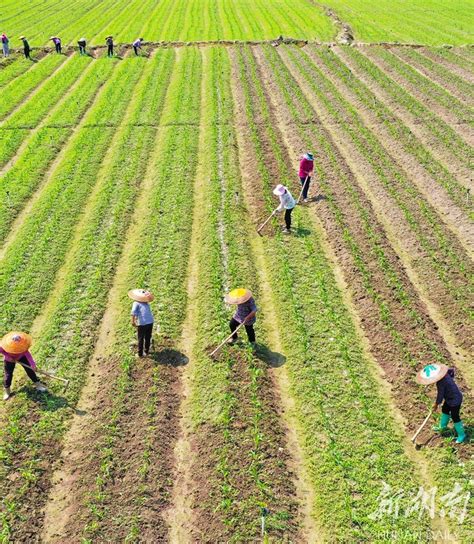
point(328, 371)
point(68, 337)
point(15, 92)
point(447, 258)
point(13, 69)
point(158, 262)
point(399, 131)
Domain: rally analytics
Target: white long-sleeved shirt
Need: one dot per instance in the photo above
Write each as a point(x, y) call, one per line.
point(287, 202)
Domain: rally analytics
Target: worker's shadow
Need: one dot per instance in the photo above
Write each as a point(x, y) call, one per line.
point(169, 357)
point(269, 357)
point(48, 402)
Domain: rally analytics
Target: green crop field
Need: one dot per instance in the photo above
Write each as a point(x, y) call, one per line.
point(155, 171)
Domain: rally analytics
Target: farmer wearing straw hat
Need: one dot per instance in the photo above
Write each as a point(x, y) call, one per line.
point(142, 318)
point(57, 43)
point(110, 46)
point(245, 313)
point(287, 203)
point(448, 391)
point(82, 46)
point(137, 44)
point(14, 347)
point(305, 171)
point(26, 47)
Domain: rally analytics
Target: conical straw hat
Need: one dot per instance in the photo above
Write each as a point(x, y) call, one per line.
point(141, 295)
point(238, 296)
point(16, 342)
point(431, 373)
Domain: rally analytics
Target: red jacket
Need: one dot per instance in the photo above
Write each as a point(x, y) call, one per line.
point(306, 167)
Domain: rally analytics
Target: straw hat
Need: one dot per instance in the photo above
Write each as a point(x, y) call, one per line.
point(431, 373)
point(141, 295)
point(308, 156)
point(52, 37)
point(238, 296)
point(279, 190)
point(16, 342)
point(22, 38)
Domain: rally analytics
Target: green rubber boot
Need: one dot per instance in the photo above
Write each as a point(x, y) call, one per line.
point(443, 423)
point(460, 431)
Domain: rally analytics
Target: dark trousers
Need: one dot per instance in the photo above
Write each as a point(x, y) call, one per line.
point(288, 218)
point(9, 369)
point(453, 411)
point(135, 48)
point(249, 328)
point(27, 53)
point(144, 337)
point(110, 50)
point(58, 47)
point(306, 187)
point(82, 49)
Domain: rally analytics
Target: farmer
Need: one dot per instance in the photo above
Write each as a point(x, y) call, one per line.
point(287, 203)
point(448, 392)
point(245, 313)
point(110, 46)
point(5, 47)
point(26, 47)
point(306, 169)
point(142, 318)
point(14, 348)
point(82, 46)
point(137, 44)
point(57, 43)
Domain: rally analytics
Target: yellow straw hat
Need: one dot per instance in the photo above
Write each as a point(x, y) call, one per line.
point(141, 295)
point(238, 296)
point(431, 373)
point(16, 342)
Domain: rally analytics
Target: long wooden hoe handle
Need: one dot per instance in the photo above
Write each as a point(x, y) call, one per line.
point(421, 426)
point(266, 220)
point(44, 373)
point(302, 189)
point(226, 340)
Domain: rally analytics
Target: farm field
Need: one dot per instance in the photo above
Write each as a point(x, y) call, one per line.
point(155, 171)
point(430, 22)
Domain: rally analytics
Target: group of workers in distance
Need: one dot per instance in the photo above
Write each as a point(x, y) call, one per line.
point(109, 42)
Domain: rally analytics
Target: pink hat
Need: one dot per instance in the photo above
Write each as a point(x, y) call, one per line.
point(279, 190)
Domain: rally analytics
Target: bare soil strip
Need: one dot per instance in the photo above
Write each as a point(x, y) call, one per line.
point(454, 217)
point(452, 66)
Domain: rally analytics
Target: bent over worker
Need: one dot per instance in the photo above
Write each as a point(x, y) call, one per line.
point(142, 319)
point(82, 46)
point(287, 203)
point(244, 315)
point(305, 171)
point(26, 47)
point(14, 347)
point(57, 43)
point(137, 44)
point(447, 391)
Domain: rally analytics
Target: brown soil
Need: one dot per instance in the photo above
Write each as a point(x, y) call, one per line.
point(460, 71)
point(454, 217)
point(383, 346)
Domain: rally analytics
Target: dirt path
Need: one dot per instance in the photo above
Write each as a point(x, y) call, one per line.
point(454, 217)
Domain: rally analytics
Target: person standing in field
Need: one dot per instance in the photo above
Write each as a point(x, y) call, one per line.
point(14, 347)
point(82, 46)
point(57, 43)
point(305, 171)
point(245, 314)
point(5, 46)
point(142, 319)
point(26, 47)
point(287, 203)
point(137, 44)
point(447, 391)
point(109, 41)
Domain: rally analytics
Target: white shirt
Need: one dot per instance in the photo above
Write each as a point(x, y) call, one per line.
point(287, 202)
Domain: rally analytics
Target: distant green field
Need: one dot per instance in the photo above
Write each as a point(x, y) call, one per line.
point(432, 22)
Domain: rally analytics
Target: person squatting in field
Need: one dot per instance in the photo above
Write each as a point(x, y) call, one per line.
point(137, 44)
point(82, 46)
point(26, 47)
point(245, 314)
point(305, 171)
point(109, 41)
point(447, 391)
point(5, 45)
point(14, 347)
point(287, 203)
point(57, 43)
point(142, 319)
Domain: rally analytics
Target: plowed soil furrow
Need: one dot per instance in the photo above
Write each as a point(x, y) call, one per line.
point(450, 61)
point(457, 166)
point(429, 239)
point(416, 171)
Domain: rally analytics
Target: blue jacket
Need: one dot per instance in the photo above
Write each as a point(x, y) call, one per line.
point(448, 390)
